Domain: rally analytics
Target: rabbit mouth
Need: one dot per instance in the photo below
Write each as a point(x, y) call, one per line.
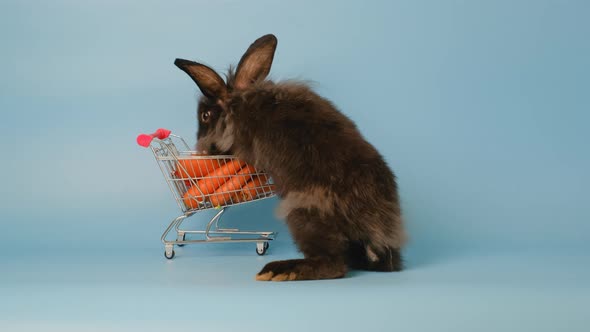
point(214, 150)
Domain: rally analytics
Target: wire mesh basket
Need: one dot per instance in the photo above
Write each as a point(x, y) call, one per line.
point(201, 182)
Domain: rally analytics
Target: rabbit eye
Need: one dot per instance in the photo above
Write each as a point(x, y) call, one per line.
point(205, 116)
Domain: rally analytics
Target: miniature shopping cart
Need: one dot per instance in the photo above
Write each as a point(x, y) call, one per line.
point(197, 184)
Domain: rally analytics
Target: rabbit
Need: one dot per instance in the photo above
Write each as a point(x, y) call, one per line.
point(337, 194)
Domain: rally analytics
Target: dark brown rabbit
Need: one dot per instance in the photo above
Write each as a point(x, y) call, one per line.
point(338, 195)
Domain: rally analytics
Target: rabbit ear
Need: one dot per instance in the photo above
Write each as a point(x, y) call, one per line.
point(210, 84)
point(255, 63)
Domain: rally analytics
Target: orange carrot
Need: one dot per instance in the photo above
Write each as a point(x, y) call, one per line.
point(223, 194)
point(253, 188)
point(196, 168)
point(209, 184)
point(192, 197)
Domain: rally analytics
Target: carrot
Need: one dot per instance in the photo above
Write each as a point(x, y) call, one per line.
point(196, 168)
point(223, 195)
point(192, 197)
point(253, 188)
point(209, 184)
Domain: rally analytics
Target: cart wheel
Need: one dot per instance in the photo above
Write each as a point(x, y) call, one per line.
point(181, 238)
point(168, 254)
point(261, 248)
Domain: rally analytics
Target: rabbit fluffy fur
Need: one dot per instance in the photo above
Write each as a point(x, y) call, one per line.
point(338, 196)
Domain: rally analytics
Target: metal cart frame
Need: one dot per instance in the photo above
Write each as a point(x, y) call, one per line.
point(186, 187)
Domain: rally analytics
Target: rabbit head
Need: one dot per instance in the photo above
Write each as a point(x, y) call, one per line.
point(215, 132)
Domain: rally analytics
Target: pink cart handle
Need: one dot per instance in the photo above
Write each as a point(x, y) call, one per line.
point(146, 139)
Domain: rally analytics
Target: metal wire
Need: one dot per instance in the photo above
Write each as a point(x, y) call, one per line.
point(192, 177)
point(197, 183)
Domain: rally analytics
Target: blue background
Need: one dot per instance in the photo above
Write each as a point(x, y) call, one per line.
point(480, 107)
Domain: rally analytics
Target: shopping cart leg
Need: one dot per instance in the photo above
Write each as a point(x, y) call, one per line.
point(169, 252)
point(180, 234)
point(180, 237)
